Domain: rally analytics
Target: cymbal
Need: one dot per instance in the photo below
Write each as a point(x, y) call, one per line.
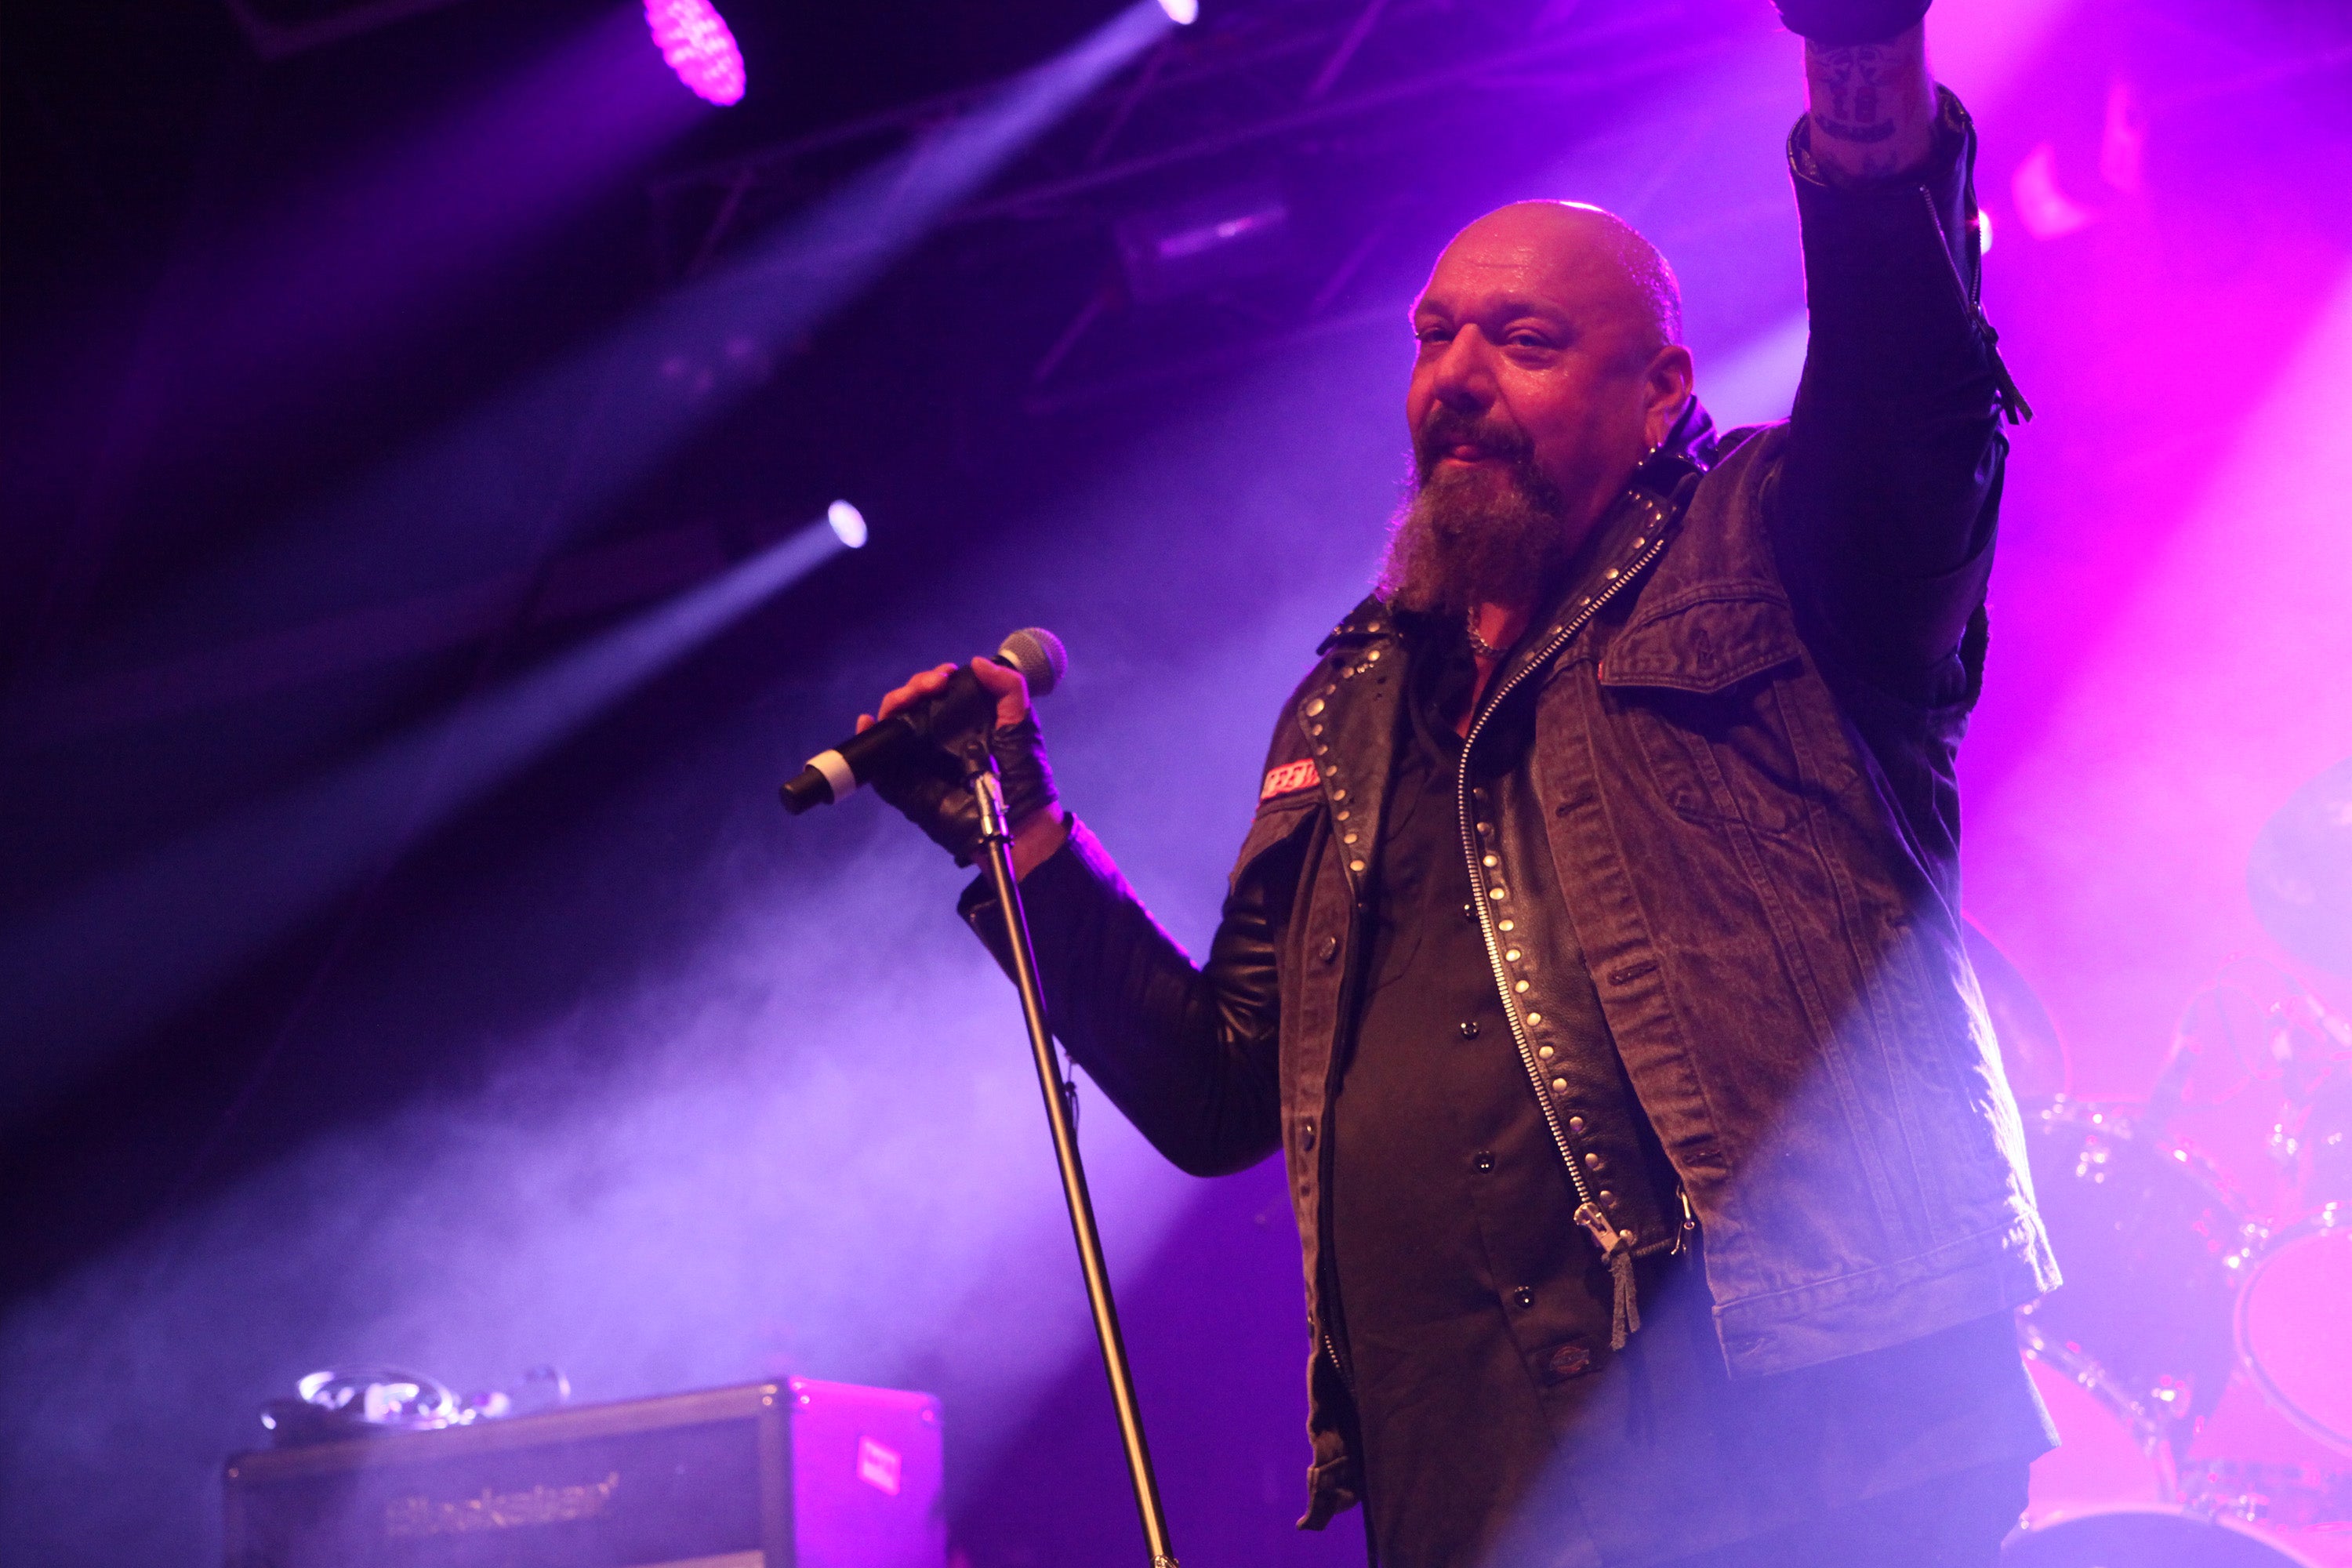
point(2300, 874)
point(2031, 1052)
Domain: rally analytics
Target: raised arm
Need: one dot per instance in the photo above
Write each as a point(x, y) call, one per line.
point(1886, 508)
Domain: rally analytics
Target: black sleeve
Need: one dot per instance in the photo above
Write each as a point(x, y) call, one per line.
point(1883, 511)
point(1188, 1054)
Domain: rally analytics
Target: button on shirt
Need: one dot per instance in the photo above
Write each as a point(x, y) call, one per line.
point(1467, 1293)
point(1474, 1313)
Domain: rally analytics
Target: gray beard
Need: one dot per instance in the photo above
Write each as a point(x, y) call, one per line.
point(1466, 538)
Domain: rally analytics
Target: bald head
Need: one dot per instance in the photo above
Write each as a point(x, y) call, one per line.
point(1549, 362)
point(1585, 253)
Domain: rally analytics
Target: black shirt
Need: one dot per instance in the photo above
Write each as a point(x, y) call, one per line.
point(1474, 1313)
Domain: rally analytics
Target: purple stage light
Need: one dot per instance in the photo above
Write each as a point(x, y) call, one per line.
point(848, 524)
point(694, 38)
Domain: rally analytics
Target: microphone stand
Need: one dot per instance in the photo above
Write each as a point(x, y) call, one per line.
point(996, 858)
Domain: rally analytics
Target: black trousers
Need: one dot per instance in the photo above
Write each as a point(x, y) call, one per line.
point(1953, 1522)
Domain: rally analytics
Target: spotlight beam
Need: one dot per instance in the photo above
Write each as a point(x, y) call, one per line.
point(852, 236)
point(448, 511)
point(184, 920)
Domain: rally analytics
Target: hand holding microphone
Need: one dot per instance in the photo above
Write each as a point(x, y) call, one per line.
point(908, 751)
point(936, 800)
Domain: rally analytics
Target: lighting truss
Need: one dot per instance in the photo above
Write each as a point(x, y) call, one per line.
point(278, 29)
point(1310, 89)
point(1238, 79)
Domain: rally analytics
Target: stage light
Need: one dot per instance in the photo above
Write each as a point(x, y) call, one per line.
point(1205, 244)
point(2046, 211)
point(289, 856)
point(694, 38)
point(848, 524)
point(1183, 13)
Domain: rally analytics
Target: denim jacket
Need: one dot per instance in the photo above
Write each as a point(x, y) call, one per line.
point(1743, 774)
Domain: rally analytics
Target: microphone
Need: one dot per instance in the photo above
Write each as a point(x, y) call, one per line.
point(918, 735)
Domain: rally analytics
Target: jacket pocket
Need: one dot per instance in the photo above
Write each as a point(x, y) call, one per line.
point(1704, 688)
point(1277, 821)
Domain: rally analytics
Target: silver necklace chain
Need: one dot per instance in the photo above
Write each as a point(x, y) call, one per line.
point(1479, 645)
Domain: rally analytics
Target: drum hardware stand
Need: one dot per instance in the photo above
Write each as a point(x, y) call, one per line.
point(2154, 1433)
point(995, 851)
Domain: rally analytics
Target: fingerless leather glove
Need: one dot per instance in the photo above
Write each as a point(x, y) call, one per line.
point(936, 800)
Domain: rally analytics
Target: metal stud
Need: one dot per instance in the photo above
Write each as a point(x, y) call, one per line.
point(1519, 987)
point(1355, 865)
point(1560, 1086)
point(1545, 1052)
point(1315, 707)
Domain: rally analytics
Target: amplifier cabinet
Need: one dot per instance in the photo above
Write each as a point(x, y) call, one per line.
point(794, 1474)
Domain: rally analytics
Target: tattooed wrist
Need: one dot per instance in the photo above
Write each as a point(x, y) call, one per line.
point(1872, 105)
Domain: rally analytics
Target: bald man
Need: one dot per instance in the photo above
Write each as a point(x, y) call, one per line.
point(1593, 957)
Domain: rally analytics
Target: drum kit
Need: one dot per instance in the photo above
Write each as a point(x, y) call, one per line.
point(2197, 1361)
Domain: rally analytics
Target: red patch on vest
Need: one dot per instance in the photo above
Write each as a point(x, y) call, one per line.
point(1290, 778)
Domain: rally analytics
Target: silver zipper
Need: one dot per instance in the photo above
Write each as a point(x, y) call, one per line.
point(1589, 1214)
point(1347, 1378)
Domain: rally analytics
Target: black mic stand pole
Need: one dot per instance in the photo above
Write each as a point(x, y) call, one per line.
point(996, 856)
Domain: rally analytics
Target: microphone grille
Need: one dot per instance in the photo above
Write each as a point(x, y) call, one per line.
point(1039, 655)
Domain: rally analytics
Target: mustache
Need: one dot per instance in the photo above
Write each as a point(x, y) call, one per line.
point(1446, 428)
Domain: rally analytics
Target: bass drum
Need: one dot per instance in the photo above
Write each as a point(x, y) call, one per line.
point(2145, 1538)
point(2290, 1325)
point(2151, 1244)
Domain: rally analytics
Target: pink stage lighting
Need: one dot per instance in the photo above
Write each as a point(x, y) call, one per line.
point(693, 37)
